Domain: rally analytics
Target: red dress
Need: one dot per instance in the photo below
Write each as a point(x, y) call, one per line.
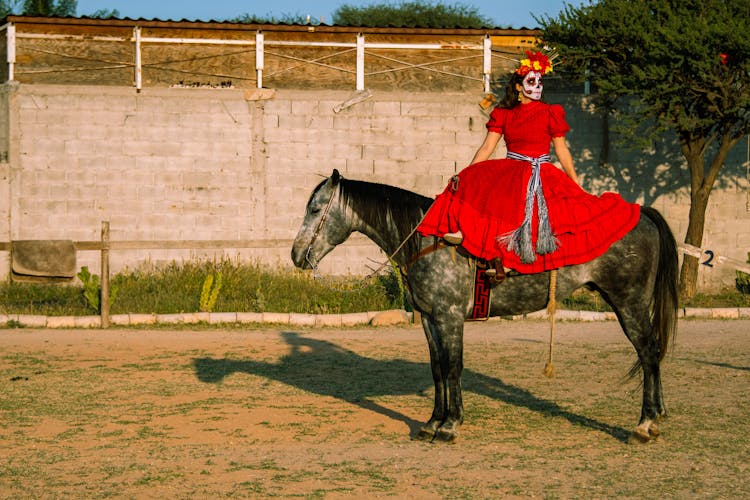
point(487, 200)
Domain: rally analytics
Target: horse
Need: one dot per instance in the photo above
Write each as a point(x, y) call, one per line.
point(636, 276)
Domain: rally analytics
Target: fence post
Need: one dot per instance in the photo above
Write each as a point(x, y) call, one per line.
point(360, 64)
point(138, 76)
point(104, 300)
point(259, 58)
point(487, 63)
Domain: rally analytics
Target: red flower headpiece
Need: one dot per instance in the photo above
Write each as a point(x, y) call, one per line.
point(535, 61)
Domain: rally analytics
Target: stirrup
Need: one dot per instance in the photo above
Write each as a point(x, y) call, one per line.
point(454, 238)
point(495, 273)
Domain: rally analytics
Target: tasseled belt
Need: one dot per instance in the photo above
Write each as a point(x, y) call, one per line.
point(519, 240)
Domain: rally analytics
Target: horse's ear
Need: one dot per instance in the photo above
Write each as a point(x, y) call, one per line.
point(335, 177)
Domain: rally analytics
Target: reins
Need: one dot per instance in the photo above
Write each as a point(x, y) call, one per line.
point(549, 368)
point(363, 281)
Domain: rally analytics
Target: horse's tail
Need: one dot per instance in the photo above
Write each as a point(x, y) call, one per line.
point(665, 298)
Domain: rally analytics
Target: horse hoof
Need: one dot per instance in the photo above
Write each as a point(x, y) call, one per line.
point(445, 435)
point(637, 437)
point(653, 431)
point(643, 434)
point(425, 435)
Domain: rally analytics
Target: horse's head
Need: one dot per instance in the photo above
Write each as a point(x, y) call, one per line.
point(324, 225)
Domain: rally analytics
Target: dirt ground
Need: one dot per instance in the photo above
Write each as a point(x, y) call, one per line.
point(331, 413)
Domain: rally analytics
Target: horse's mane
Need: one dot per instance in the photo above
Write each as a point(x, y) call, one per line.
point(380, 205)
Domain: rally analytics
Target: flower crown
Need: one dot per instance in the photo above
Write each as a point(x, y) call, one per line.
point(535, 61)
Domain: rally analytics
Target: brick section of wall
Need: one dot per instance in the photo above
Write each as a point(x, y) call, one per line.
point(222, 164)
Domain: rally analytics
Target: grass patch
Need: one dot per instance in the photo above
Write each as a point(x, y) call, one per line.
point(178, 287)
point(587, 300)
point(251, 287)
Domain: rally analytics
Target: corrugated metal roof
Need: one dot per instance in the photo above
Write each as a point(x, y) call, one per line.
point(279, 26)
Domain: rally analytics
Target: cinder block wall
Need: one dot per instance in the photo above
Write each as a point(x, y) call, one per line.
point(229, 164)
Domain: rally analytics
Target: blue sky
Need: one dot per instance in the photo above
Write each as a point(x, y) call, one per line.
point(505, 13)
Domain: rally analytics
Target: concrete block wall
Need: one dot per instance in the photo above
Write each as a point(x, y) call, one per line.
point(227, 164)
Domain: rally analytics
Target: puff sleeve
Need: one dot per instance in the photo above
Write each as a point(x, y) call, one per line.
point(558, 127)
point(496, 123)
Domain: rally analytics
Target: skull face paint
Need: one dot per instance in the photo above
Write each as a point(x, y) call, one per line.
point(532, 85)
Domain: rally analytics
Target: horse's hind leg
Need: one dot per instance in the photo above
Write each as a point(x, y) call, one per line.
point(636, 323)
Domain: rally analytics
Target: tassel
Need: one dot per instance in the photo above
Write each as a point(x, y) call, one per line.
point(519, 240)
point(546, 241)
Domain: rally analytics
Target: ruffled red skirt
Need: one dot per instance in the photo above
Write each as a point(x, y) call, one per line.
point(489, 200)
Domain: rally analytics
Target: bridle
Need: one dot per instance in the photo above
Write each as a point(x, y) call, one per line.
point(319, 227)
point(323, 218)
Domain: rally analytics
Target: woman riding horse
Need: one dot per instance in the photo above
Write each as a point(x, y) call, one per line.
point(488, 207)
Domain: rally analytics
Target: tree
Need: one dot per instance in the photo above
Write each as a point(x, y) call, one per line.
point(416, 13)
point(105, 14)
point(7, 7)
point(667, 66)
point(60, 8)
point(269, 19)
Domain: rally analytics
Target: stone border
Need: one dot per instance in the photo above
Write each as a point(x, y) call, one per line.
point(373, 318)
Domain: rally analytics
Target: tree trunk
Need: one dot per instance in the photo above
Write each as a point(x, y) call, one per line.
point(694, 236)
point(701, 183)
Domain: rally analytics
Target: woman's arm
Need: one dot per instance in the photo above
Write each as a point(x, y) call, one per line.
point(566, 159)
point(487, 148)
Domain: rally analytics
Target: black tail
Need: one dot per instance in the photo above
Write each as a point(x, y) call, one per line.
point(665, 301)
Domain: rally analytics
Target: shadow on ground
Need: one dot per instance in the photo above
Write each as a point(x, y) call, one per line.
point(324, 368)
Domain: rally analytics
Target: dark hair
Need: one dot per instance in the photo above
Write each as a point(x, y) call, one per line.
point(511, 100)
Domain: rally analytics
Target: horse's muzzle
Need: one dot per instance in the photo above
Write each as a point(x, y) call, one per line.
point(299, 257)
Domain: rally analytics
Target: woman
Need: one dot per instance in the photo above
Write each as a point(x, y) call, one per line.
point(522, 212)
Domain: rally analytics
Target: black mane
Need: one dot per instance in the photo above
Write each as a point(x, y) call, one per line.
point(381, 204)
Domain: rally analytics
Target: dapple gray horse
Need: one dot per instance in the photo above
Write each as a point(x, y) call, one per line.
point(637, 277)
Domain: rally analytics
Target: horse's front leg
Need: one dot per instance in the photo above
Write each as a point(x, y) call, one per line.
point(427, 431)
point(453, 347)
point(445, 341)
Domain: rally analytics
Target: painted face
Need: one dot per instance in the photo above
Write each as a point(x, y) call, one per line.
point(532, 85)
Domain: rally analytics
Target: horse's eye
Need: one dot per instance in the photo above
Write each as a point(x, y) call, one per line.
point(314, 211)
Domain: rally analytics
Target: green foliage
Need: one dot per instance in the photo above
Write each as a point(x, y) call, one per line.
point(105, 14)
point(33, 298)
point(668, 54)
point(679, 66)
point(743, 279)
point(415, 13)
point(394, 287)
point(245, 287)
point(177, 288)
point(6, 7)
point(60, 8)
point(269, 19)
point(210, 292)
point(91, 292)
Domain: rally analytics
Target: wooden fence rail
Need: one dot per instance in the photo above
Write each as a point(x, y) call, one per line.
point(105, 245)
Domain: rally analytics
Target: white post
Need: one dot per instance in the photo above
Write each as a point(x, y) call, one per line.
point(11, 37)
point(487, 63)
point(360, 61)
point(138, 62)
point(259, 62)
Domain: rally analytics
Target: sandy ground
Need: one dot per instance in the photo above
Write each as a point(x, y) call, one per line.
point(332, 413)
